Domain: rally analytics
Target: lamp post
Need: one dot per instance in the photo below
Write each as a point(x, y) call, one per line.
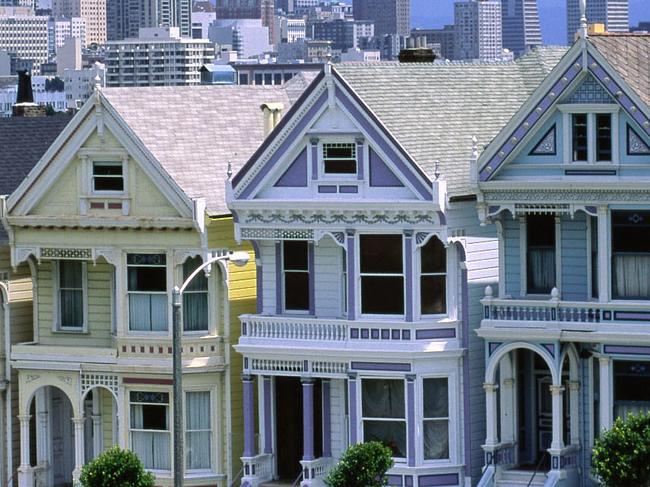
point(237, 258)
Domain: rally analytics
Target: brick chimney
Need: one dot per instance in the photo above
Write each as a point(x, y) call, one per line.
point(25, 106)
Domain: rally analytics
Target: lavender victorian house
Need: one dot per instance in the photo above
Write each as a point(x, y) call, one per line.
point(370, 266)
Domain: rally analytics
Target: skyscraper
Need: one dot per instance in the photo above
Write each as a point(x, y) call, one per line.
point(92, 11)
point(389, 16)
point(613, 13)
point(126, 17)
point(478, 33)
point(520, 24)
point(249, 9)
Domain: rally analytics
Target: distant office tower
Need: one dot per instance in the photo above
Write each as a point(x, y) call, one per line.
point(389, 16)
point(478, 33)
point(520, 24)
point(126, 17)
point(61, 28)
point(613, 13)
point(24, 35)
point(444, 38)
point(249, 9)
point(92, 11)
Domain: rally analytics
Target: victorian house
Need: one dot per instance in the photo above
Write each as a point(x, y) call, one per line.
point(124, 205)
point(371, 263)
point(565, 185)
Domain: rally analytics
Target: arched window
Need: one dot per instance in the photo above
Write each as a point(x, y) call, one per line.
point(195, 297)
point(433, 278)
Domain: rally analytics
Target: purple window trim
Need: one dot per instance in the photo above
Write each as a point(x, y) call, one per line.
point(326, 189)
point(627, 349)
point(439, 480)
point(408, 275)
point(278, 278)
point(360, 158)
point(312, 278)
point(352, 404)
point(465, 343)
point(435, 333)
point(314, 158)
point(327, 420)
point(348, 189)
point(308, 418)
point(350, 235)
point(268, 418)
point(381, 366)
point(410, 419)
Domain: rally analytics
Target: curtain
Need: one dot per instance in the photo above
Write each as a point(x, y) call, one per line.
point(383, 398)
point(151, 447)
point(541, 269)
point(148, 312)
point(632, 276)
point(623, 408)
point(199, 434)
point(390, 433)
point(195, 311)
point(436, 439)
point(71, 293)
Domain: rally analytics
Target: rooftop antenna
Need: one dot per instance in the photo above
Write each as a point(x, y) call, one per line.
point(582, 32)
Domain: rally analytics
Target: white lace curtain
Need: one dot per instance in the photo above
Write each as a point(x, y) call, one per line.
point(436, 418)
point(623, 408)
point(384, 413)
point(195, 297)
point(632, 276)
point(148, 312)
point(151, 446)
point(541, 269)
point(198, 430)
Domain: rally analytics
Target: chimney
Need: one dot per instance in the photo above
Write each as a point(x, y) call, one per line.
point(25, 106)
point(272, 113)
point(417, 55)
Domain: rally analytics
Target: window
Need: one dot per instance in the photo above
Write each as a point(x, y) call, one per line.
point(344, 281)
point(383, 411)
point(433, 268)
point(340, 158)
point(150, 433)
point(579, 137)
point(198, 430)
point(108, 176)
point(593, 228)
point(631, 388)
point(603, 137)
point(435, 418)
point(295, 259)
point(592, 137)
point(540, 254)
point(147, 288)
point(630, 254)
point(71, 294)
point(195, 297)
point(382, 279)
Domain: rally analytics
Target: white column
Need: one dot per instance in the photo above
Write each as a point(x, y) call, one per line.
point(556, 393)
point(574, 411)
point(25, 473)
point(42, 437)
point(78, 447)
point(605, 395)
point(491, 438)
point(97, 423)
point(507, 411)
point(603, 254)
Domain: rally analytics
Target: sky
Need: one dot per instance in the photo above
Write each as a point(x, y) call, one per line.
point(436, 13)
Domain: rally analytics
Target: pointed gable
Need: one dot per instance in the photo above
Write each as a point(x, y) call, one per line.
point(380, 174)
point(296, 175)
point(589, 91)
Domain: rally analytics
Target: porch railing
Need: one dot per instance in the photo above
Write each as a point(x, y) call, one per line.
point(257, 469)
point(315, 471)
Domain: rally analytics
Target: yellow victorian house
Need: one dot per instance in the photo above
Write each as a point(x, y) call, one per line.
point(125, 204)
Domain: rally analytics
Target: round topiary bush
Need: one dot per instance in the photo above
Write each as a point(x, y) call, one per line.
point(116, 468)
point(362, 465)
point(621, 456)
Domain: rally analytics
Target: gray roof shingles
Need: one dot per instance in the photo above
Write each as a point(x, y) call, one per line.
point(434, 110)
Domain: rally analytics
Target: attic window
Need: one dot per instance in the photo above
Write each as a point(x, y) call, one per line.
point(108, 176)
point(339, 158)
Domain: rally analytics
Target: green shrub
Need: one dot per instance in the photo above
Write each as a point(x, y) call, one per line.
point(116, 468)
point(362, 465)
point(621, 456)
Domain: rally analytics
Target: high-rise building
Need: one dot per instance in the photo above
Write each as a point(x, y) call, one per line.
point(92, 11)
point(389, 16)
point(249, 9)
point(613, 13)
point(477, 27)
point(126, 17)
point(344, 34)
point(24, 35)
point(520, 24)
point(445, 38)
point(63, 27)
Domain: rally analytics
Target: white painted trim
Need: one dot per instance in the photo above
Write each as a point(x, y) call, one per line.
point(523, 260)
point(558, 253)
point(604, 260)
point(56, 299)
point(502, 258)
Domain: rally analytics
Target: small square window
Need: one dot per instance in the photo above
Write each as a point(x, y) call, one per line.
point(339, 158)
point(108, 176)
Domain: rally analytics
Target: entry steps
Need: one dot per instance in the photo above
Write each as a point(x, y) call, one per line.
point(520, 478)
point(276, 483)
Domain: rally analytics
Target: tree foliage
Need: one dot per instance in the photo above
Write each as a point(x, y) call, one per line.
point(362, 465)
point(621, 456)
point(116, 468)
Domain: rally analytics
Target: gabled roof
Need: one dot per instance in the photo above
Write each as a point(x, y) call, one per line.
point(23, 141)
point(629, 54)
point(433, 110)
point(194, 131)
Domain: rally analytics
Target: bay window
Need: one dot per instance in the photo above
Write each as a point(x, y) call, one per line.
point(198, 430)
point(630, 254)
point(70, 294)
point(147, 292)
point(433, 269)
point(631, 388)
point(540, 253)
point(195, 297)
point(382, 274)
point(435, 418)
point(150, 432)
point(295, 261)
point(384, 413)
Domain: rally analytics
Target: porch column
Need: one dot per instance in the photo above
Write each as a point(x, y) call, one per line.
point(410, 419)
point(79, 456)
point(507, 410)
point(25, 473)
point(352, 406)
point(327, 420)
point(556, 394)
point(605, 396)
point(574, 411)
point(42, 437)
point(603, 254)
point(97, 423)
point(491, 438)
point(307, 418)
point(249, 415)
point(268, 417)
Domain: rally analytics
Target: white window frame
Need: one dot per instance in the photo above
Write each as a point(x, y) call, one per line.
point(359, 275)
point(322, 175)
point(56, 312)
point(344, 281)
point(450, 421)
point(363, 419)
point(169, 280)
point(213, 421)
point(591, 110)
point(284, 287)
point(107, 162)
point(523, 255)
point(211, 329)
point(170, 421)
point(450, 282)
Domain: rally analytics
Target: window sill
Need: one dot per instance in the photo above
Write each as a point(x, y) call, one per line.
point(68, 331)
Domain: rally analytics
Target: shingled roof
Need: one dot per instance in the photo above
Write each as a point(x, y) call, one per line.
point(194, 131)
point(629, 54)
point(23, 141)
point(434, 110)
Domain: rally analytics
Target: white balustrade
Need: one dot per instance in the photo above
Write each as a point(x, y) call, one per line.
point(315, 471)
point(257, 469)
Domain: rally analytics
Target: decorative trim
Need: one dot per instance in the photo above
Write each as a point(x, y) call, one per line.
point(589, 91)
point(547, 146)
point(636, 146)
point(572, 195)
point(92, 380)
point(66, 253)
point(277, 234)
point(144, 380)
point(342, 217)
point(381, 366)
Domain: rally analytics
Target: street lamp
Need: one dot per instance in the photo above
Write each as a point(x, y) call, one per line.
point(239, 259)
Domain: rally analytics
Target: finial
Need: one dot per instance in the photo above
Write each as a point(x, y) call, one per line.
point(436, 169)
point(229, 170)
point(583, 19)
point(98, 82)
point(474, 148)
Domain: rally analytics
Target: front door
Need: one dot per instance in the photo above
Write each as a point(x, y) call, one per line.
point(62, 439)
point(544, 414)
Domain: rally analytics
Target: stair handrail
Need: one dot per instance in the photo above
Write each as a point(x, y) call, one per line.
point(539, 464)
point(298, 479)
point(239, 474)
